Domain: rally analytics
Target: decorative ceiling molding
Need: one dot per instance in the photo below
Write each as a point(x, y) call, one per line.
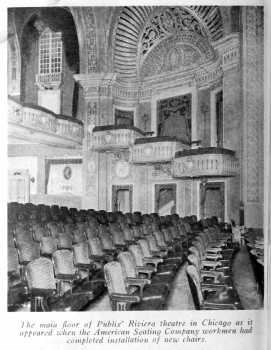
point(140, 28)
point(184, 51)
point(168, 22)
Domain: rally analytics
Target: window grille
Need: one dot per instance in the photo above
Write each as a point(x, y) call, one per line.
point(50, 59)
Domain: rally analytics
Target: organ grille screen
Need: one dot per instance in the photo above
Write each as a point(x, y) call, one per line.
point(50, 52)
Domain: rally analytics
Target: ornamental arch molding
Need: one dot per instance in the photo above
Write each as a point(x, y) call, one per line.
point(140, 29)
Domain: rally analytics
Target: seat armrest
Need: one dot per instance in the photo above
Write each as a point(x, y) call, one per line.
point(138, 282)
point(145, 270)
point(213, 264)
point(84, 266)
point(213, 250)
point(109, 251)
point(218, 288)
point(213, 257)
point(119, 297)
point(212, 274)
point(159, 254)
point(66, 277)
point(98, 258)
point(154, 261)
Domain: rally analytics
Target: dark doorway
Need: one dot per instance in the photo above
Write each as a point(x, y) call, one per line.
point(212, 199)
point(165, 199)
point(122, 198)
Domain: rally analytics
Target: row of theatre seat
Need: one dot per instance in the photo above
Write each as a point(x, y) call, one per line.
point(254, 241)
point(62, 259)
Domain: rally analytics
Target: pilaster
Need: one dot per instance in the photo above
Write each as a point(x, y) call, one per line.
point(97, 92)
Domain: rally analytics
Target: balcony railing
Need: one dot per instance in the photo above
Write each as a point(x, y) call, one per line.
point(113, 137)
point(49, 80)
point(155, 149)
point(27, 117)
point(207, 162)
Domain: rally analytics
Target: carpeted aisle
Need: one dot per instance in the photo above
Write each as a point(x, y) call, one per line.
point(244, 281)
point(180, 297)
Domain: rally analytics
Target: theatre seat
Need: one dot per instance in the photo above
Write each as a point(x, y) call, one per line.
point(43, 289)
point(64, 241)
point(68, 277)
point(17, 288)
point(48, 245)
point(147, 288)
point(122, 295)
point(212, 298)
point(97, 253)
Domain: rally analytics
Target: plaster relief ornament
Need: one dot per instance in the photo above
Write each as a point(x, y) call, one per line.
point(108, 138)
point(67, 172)
point(148, 151)
point(122, 169)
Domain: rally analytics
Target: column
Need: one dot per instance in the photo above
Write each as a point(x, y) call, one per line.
point(253, 115)
point(232, 117)
point(97, 92)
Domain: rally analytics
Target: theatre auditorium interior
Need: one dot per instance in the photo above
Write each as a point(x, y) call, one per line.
point(135, 158)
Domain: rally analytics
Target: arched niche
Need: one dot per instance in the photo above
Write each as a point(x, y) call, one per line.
point(54, 20)
point(139, 29)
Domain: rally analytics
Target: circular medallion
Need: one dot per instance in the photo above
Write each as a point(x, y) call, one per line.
point(122, 169)
point(67, 172)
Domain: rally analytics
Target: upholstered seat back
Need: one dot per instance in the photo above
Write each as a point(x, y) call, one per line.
point(95, 246)
point(147, 230)
point(114, 278)
point(104, 229)
point(137, 254)
point(13, 262)
point(118, 237)
point(152, 243)
point(193, 250)
point(106, 241)
point(64, 241)
point(194, 260)
point(48, 245)
point(78, 235)
point(128, 234)
point(128, 264)
point(159, 238)
point(39, 232)
point(40, 274)
point(68, 228)
point(22, 235)
point(28, 251)
point(81, 253)
point(54, 228)
point(194, 281)
point(91, 232)
point(145, 248)
point(63, 262)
